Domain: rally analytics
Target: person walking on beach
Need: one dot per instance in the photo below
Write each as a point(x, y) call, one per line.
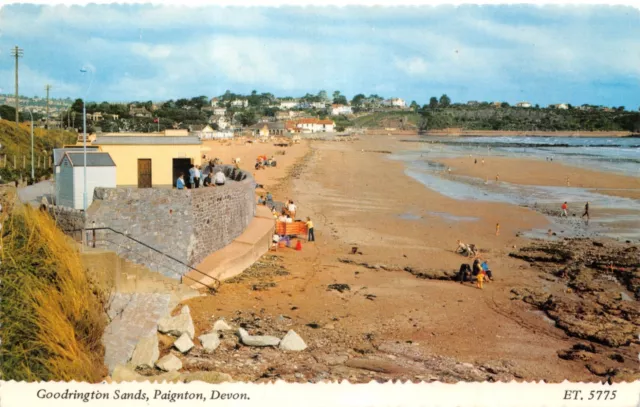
point(497, 229)
point(564, 209)
point(497, 177)
point(568, 183)
point(586, 211)
point(482, 161)
point(311, 237)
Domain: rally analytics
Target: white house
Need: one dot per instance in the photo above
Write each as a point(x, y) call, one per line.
point(225, 134)
point(288, 104)
point(101, 172)
point(395, 102)
point(315, 125)
point(523, 104)
point(221, 121)
point(240, 103)
point(220, 111)
point(561, 106)
point(204, 132)
point(340, 109)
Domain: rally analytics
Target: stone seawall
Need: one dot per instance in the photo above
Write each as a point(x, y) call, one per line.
point(187, 225)
point(221, 214)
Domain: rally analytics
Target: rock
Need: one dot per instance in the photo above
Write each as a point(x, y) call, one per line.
point(210, 342)
point(207, 377)
point(178, 325)
point(185, 310)
point(221, 325)
point(250, 340)
point(331, 359)
point(146, 352)
point(169, 363)
point(597, 369)
point(292, 341)
point(127, 374)
point(381, 366)
point(184, 343)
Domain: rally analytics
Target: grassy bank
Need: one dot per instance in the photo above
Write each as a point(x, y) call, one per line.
point(52, 315)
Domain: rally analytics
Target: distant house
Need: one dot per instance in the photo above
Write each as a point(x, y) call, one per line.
point(221, 121)
point(288, 104)
point(114, 116)
point(240, 103)
point(523, 104)
point(203, 132)
point(97, 116)
point(220, 111)
point(139, 111)
point(473, 103)
point(100, 172)
point(496, 104)
point(214, 102)
point(560, 106)
point(286, 115)
point(313, 125)
point(395, 102)
point(340, 109)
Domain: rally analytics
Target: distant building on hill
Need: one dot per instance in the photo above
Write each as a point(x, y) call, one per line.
point(313, 125)
point(560, 106)
point(340, 109)
point(523, 104)
point(395, 102)
point(240, 103)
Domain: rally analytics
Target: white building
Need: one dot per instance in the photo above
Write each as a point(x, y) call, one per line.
point(226, 134)
point(203, 132)
point(220, 111)
point(395, 102)
point(221, 121)
point(315, 125)
point(101, 172)
point(523, 104)
point(288, 104)
point(240, 103)
point(340, 109)
point(561, 106)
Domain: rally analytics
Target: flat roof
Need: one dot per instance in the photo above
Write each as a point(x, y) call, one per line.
point(146, 140)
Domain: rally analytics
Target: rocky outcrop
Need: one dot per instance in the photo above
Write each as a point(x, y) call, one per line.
point(178, 325)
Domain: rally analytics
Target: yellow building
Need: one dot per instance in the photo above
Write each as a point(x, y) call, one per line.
point(146, 160)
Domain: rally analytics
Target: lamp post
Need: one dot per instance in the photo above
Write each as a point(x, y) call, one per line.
point(33, 176)
point(84, 137)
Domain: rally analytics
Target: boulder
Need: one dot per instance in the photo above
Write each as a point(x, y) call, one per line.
point(184, 343)
point(264, 340)
point(210, 341)
point(127, 374)
point(205, 376)
point(292, 341)
point(178, 325)
point(221, 325)
point(146, 353)
point(169, 363)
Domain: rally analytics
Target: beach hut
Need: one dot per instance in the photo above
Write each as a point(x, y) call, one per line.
point(101, 172)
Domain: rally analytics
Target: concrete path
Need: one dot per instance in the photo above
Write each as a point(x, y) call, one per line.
point(134, 316)
point(33, 194)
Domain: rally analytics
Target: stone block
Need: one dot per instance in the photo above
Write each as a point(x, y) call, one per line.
point(169, 363)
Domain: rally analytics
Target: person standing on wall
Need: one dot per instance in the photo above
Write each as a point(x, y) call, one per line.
point(196, 176)
point(180, 181)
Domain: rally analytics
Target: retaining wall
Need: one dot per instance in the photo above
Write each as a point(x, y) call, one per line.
point(185, 224)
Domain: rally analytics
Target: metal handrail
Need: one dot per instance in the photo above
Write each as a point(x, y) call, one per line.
point(216, 284)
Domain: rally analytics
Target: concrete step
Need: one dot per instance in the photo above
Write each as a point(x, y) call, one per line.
point(239, 255)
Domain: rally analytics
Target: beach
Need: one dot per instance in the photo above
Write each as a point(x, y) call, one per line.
point(397, 311)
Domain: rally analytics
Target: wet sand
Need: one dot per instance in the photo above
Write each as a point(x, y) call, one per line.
point(543, 173)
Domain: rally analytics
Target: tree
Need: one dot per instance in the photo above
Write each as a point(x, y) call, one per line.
point(322, 95)
point(247, 118)
point(414, 106)
point(358, 100)
point(433, 102)
point(339, 99)
point(504, 104)
point(76, 106)
point(445, 101)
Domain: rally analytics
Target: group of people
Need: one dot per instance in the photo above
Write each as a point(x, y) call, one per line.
point(565, 210)
point(213, 178)
point(479, 272)
point(262, 162)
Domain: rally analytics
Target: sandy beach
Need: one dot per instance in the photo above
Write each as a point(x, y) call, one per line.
point(416, 327)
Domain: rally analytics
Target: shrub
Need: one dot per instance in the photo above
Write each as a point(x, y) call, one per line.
point(52, 316)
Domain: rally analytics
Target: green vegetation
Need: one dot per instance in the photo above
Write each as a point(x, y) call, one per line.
point(52, 316)
point(16, 141)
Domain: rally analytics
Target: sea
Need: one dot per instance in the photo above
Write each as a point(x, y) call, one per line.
point(619, 217)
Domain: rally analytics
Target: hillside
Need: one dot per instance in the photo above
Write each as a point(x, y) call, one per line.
point(17, 141)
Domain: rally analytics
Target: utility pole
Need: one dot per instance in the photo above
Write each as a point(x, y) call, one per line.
point(47, 88)
point(17, 52)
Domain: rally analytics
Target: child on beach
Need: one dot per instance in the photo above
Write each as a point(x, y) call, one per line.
point(586, 211)
point(564, 209)
point(497, 229)
point(480, 279)
point(311, 237)
point(497, 177)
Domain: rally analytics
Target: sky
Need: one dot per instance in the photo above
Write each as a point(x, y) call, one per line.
point(552, 54)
